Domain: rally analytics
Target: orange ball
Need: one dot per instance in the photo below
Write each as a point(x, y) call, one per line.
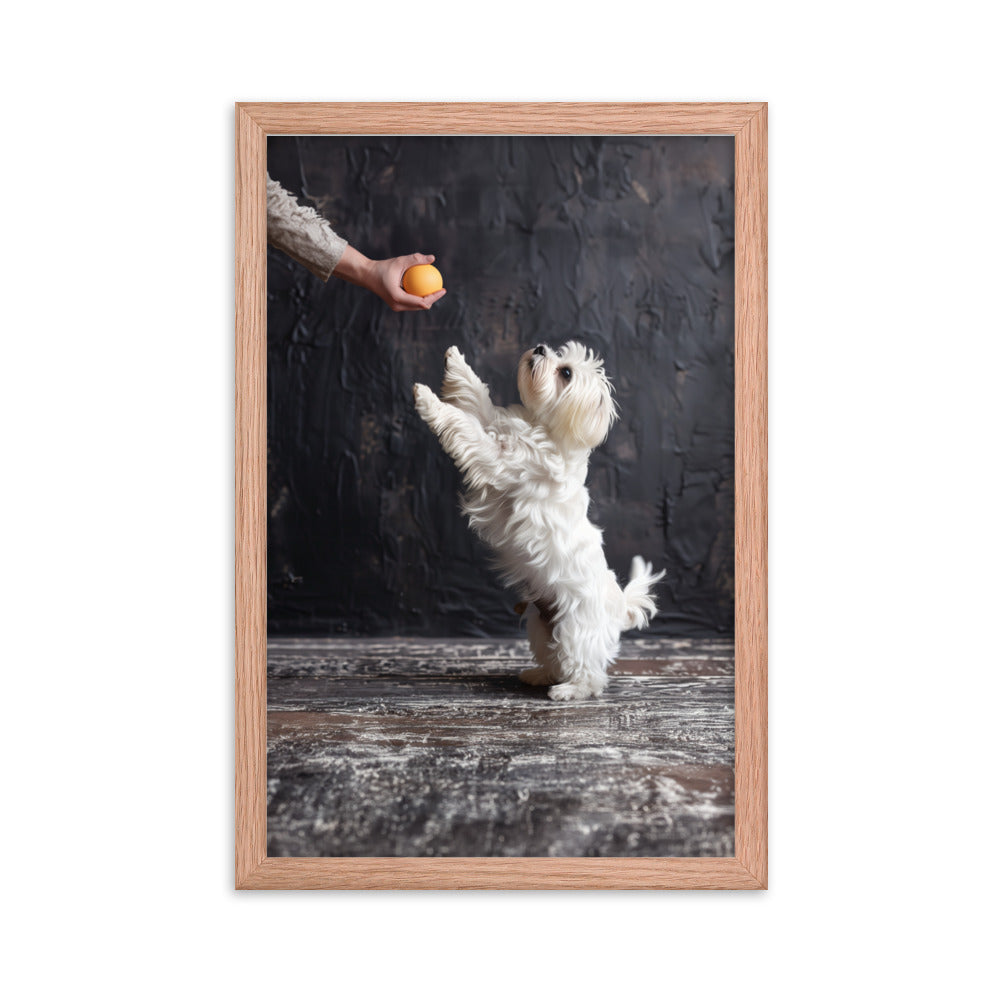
point(422, 280)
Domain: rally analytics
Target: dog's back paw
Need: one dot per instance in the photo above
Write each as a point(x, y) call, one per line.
point(572, 692)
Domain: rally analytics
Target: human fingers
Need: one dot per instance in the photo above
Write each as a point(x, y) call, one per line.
point(414, 303)
point(404, 302)
point(429, 300)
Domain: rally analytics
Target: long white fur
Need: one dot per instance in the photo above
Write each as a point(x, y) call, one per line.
point(524, 469)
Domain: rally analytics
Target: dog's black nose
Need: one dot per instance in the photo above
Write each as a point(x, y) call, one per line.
point(540, 349)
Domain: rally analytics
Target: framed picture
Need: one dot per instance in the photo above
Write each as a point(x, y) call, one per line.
point(385, 735)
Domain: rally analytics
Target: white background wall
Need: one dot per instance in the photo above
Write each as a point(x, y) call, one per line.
point(117, 585)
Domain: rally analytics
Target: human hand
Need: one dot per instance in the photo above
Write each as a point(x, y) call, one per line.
point(385, 277)
point(387, 283)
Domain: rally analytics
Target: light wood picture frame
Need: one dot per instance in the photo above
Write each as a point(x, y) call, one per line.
point(747, 123)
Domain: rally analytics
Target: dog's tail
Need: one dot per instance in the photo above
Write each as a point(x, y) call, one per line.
point(639, 605)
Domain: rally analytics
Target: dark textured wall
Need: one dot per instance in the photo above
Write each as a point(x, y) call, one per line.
point(623, 243)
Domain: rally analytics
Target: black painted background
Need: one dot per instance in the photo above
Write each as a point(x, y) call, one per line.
point(623, 243)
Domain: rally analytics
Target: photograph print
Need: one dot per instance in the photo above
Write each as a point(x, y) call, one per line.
point(500, 496)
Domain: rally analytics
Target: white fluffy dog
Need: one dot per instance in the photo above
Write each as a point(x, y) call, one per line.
point(524, 469)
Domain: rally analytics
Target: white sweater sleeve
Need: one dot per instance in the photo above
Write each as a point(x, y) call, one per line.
point(301, 233)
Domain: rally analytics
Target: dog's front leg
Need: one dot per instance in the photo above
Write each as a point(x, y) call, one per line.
point(462, 436)
point(463, 388)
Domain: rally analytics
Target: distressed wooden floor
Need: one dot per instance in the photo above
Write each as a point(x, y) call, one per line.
point(434, 748)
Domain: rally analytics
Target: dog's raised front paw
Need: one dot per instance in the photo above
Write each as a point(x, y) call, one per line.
point(425, 400)
point(456, 371)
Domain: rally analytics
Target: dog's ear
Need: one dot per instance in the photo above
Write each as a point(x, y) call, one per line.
point(613, 413)
point(587, 415)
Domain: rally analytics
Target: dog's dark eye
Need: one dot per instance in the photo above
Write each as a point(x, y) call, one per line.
point(567, 373)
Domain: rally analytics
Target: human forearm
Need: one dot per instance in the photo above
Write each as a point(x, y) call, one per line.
point(300, 232)
point(356, 268)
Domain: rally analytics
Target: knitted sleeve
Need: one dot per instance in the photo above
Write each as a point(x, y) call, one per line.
point(301, 233)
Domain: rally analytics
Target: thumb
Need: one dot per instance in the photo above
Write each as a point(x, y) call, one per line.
point(419, 258)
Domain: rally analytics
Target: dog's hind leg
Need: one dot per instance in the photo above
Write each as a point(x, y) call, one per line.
point(584, 654)
point(540, 640)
